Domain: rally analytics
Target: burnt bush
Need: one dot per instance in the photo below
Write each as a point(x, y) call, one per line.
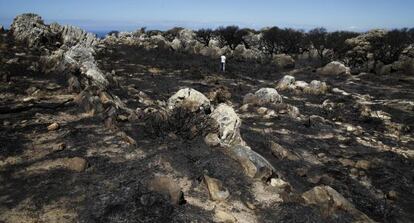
point(231, 36)
point(318, 37)
point(171, 34)
point(336, 41)
point(182, 121)
point(272, 40)
point(287, 41)
point(204, 36)
point(153, 32)
point(113, 32)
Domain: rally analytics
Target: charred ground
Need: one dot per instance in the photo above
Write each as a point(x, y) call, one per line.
point(367, 159)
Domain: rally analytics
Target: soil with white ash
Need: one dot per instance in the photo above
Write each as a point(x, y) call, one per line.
point(359, 142)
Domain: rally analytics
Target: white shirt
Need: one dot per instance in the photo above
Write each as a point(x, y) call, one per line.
point(223, 59)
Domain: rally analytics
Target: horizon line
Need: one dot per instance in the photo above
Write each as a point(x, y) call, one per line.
point(129, 25)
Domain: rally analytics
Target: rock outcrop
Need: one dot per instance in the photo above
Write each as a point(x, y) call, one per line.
point(72, 36)
point(192, 99)
point(83, 57)
point(314, 87)
point(30, 28)
point(68, 51)
point(229, 123)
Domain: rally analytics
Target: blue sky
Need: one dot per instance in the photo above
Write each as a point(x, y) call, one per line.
point(359, 15)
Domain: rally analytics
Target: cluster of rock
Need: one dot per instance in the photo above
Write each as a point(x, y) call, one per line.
point(225, 133)
point(68, 51)
point(406, 61)
point(268, 103)
point(186, 41)
point(362, 48)
point(314, 87)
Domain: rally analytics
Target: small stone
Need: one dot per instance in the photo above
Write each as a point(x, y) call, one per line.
point(212, 139)
point(244, 108)
point(31, 90)
point(60, 147)
point(346, 162)
point(122, 118)
point(223, 216)
point(392, 195)
point(354, 172)
point(321, 155)
point(76, 164)
point(279, 183)
point(301, 172)
point(315, 179)
point(168, 186)
point(52, 127)
point(250, 205)
point(127, 138)
point(216, 190)
point(172, 136)
point(262, 110)
point(350, 128)
point(105, 98)
point(132, 117)
point(363, 164)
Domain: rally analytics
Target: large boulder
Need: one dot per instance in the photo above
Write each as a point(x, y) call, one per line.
point(216, 189)
point(334, 68)
point(190, 98)
point(287, 82)
point(31, 29)
point(228, 124)
point(331, 201)
point(262, 97)
point(254, 165)
point(284, 61)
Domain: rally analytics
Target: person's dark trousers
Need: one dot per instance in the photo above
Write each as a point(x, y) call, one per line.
point(223, 67)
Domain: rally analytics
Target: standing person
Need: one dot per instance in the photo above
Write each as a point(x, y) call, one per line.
point(223, 63)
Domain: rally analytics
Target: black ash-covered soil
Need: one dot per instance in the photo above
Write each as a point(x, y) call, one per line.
point(114, 185)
